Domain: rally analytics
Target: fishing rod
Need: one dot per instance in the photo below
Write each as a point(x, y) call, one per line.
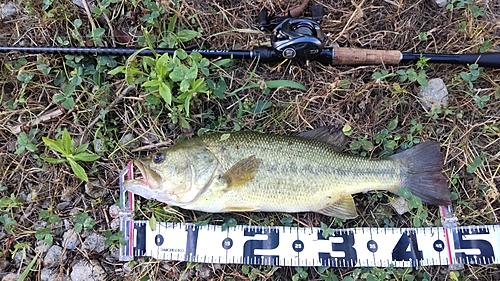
point(297, 39)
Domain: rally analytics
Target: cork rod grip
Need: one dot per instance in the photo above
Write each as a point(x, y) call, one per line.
point(355, 56)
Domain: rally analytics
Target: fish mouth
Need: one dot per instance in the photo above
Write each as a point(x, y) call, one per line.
point(150, 177)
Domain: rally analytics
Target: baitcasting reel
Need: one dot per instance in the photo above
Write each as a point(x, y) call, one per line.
point(294, 38)
point(300, 39)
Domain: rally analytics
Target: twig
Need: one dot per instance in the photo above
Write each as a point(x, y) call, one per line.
point(111, 105)
point(40, 119)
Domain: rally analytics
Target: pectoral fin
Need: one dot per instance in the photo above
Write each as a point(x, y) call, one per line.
point(343, 208)
point(241, 172)
point(330, 134)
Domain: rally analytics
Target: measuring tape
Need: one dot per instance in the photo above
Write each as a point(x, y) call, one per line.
point(308, 246)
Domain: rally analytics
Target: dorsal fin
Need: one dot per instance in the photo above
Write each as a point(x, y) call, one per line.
point(331, 135)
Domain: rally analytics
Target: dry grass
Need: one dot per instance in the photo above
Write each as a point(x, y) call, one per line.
point(335, 95)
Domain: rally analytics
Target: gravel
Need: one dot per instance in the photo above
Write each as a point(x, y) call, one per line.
point(94, 243)
point(7, 10)
point(94, 189)
point(11, 277)
point(53, 256)
point(87, 271)
point(70, 239)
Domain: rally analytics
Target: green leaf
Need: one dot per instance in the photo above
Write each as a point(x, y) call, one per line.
point(161, 65)
point(152, 222)
point(186, 35)
point(176, 75)
point(184, 86)
point(78, 170)
point(327, 231)
point(20, 150)
point(414, 201)
point(84, 156)
point(22, 139)
point(181, 54)
point(68, 103)
point(31, 147)
point(81, 148)
point(42, 233)
point(192, 73)
point(54, 145)
point(393, 124)
point(171, 23)
point(116, 70)
point(53, 160)
point(66, 142)
point(98, 32)
point(286, 84)
point(152, 83)
point(166, 93)
point(404, 192)
point(78, 227)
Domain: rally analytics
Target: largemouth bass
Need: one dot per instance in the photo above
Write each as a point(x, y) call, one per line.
point(256, 172)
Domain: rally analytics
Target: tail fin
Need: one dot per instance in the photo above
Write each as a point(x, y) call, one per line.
point(421, 166)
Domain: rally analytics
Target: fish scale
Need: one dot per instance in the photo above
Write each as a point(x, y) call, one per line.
point(282, 181)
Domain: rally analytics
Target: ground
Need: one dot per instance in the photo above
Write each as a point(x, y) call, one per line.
point(43, 187)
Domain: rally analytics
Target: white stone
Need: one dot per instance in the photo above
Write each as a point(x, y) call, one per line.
point(434, 95)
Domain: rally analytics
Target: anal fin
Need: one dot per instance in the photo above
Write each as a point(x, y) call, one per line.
point(240, 209)
point(343, 208)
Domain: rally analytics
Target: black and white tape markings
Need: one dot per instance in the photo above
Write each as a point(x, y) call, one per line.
point(298, 246)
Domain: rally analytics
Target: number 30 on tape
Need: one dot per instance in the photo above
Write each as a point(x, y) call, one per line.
point(298, 246)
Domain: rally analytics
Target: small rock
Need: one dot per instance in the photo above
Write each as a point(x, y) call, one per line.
point(94, 189)
point(205, 272)
point(114, 255)
point(400, 205)
point(94, 242)
point(49, 274)
point(149, 138)
point(18, 258)
point(70, 239)
point(127, 268)
point(434, 95)
point(441, 3)
point(53, 256)
point(85, 271)
point(11, 277)
point(79, 3)
point(115, 224)
point(3, 264)
point(46, 274)
point(114, 211)
point(63, 206)
point(128, 140)
point(98, 146)
point(7, 10)
point(42, 247)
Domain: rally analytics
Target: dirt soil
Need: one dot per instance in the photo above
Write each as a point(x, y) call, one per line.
point(381, 113)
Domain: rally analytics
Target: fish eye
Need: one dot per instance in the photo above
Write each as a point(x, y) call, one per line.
point(158, 158)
